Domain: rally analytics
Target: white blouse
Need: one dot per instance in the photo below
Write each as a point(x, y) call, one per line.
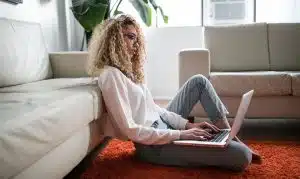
point(131, 111)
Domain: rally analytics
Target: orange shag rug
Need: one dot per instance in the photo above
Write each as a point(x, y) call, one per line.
point(280, 160)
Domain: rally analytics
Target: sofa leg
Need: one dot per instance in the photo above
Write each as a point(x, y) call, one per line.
point(191, 119)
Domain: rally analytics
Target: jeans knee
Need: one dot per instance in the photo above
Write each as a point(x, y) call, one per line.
point(199, 79)
point(244, 157)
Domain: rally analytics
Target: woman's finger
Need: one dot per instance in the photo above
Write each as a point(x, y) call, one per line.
point(204, 133)
point(208, 130)
point(201, 138)
point(213, 127)
point(201, 132)
point(216, 129)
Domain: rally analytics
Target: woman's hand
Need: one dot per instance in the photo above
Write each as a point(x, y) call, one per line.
point(210, 128)
point(195, 134)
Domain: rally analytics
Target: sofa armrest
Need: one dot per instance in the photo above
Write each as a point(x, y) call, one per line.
point(192, 62)
point(68, 64)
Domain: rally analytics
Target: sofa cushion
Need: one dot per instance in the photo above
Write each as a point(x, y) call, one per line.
point(23, 54)
point(49, 85)
point(32, 124)
point(267, 83)
point(238, 47)
point(295, 83)
point(260, 107)
point(284, 43)
point(73, 84)
point(69, 64)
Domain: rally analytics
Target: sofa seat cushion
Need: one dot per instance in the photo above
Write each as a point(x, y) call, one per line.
point(265, 83)
point(32, 124)
point(262, 107)
point(85, 83)
point(36, 117)
point(295, 83)
point(49, 85)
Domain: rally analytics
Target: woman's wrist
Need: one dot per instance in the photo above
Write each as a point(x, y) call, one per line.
point(188, 125)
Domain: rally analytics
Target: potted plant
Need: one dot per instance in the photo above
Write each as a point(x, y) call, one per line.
point(89, 13)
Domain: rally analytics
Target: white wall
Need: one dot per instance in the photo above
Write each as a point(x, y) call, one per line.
point(278, 11)
point(49, 13)
point(163, 46)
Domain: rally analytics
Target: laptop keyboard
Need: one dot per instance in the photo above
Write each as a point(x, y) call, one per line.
point(219, 137)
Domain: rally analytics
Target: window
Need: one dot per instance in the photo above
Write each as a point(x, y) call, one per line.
point(207, 12)
point(180, 12)
point(219, 12)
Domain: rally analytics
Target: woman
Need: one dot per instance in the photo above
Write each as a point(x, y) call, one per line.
point(116, 56)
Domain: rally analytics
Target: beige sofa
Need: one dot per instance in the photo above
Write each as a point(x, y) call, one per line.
point(49, 108)
point(260, 56)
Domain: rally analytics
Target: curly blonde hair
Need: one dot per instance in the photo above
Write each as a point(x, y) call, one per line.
point(107, 47)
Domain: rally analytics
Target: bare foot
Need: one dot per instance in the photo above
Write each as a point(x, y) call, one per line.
point(256, 158)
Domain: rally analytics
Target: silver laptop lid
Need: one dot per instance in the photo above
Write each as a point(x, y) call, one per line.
point(240, 115)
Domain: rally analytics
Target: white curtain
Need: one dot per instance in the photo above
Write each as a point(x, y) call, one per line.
point(75, 32)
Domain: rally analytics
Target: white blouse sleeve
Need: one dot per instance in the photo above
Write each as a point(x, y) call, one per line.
point(173, 119)
point(114, 91)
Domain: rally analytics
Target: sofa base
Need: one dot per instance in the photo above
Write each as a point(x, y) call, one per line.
point(60, 161)
point(260, 107)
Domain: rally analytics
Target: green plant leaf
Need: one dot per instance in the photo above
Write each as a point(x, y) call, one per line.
point(89, 14)
point(118, 12)
point(101, 1)
point(144, 10)
point(155, 6)
point(165, 17)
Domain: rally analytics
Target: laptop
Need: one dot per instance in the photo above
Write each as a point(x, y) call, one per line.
point(226, 135)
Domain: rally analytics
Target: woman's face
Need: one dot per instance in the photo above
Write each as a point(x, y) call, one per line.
point(130, 36)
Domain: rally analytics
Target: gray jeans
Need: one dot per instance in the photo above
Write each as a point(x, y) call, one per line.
point(236, 156)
